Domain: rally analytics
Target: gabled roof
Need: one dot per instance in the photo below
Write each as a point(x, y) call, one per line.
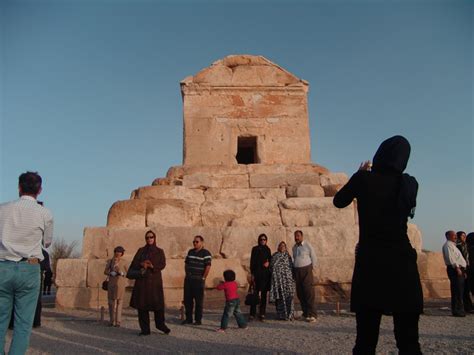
point(244, 71)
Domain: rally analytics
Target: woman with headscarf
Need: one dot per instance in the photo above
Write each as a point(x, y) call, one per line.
point(282, 283)
point(385, 279)
point(147, 293)
point(260, 270)
point(116, 270)
point(470, 250)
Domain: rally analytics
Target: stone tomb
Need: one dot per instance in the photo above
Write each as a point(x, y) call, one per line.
point(246, 170)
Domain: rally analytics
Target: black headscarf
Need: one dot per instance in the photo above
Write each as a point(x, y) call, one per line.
point(391, 159)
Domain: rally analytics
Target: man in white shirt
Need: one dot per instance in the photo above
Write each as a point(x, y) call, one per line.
point(25, 226)
point(455, 266)
point(304, 259)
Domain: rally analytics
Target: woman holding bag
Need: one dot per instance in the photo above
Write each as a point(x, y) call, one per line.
point(147, 293)
point(116, 271)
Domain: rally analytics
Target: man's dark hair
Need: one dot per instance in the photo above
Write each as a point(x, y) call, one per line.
point(199, 237)
point(298, 231)
point(229, 275)
point(448, 233)
point(30, 183)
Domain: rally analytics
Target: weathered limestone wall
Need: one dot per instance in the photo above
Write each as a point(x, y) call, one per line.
point(245, 96)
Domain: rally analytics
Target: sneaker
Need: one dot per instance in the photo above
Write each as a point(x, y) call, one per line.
point(198, 322)
point(184, 322)
point(220, 330)
point(310, 319)
point(143, 334)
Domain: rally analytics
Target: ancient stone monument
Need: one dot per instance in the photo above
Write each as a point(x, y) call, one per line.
point(246, 170)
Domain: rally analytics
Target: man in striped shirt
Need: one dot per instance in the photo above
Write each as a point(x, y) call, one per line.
point(197, 266)
point(25, 226)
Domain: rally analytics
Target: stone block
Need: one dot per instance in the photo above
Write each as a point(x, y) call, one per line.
point(333, 179)
point(173, 274)
point(170, 192)
point(333, 292)
point(176, 241)
point(221, 213)
point(213, 194)
point(304, 191)
point(334, 269)
point(203, 180)
point(172, 213)
point(239, 241)
point(435, 289)
point(95, 242)
point(81, 298)
point(259, 213)
point(250, 212)
point(286, 168)
point(431, 266)
point(128, 213)
point(315, 211)
point(414, 234)
point(284, 179)
point(71, 272)
point(331, 241)
point(331, 190)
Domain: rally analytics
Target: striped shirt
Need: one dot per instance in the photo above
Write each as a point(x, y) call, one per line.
point(24, 226)
point(196, 262)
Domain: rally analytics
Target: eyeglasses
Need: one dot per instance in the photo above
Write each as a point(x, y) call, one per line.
point(149, 238)
point(195, 241)
point(262, 240)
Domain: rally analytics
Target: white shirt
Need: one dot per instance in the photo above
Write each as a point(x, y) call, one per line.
point(303, 255)
point(24, 226)
point(452, 256)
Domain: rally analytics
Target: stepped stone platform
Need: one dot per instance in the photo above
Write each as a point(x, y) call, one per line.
point(246, 170)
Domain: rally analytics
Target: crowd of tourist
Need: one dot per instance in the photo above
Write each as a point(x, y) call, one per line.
point(385, 279)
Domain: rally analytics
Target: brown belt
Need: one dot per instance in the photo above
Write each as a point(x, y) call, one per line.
point(31, 260)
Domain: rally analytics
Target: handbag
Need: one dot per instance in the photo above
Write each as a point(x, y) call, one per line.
point(105, 285)
point(252, 298)
point(136, 273)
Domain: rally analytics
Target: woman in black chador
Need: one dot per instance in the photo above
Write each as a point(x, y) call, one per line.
point(260, 269)
point(385, 279)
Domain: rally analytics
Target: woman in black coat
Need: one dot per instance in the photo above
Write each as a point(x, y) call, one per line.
point(385, 279)
point(261, 275)
point(147, 294)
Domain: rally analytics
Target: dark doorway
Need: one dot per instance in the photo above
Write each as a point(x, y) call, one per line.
point(247, 150)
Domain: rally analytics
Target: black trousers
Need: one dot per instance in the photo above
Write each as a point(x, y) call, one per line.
point(263, 302)
point(466, 295)
point(405, 327)
point(193, 299)
point(457, 291)
point(144, 319)
point(305, 290)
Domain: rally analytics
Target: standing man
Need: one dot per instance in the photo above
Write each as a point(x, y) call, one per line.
point(24, 226)
point(304, 260)
point(197, 265)
point(455, 266)
point(462, 246)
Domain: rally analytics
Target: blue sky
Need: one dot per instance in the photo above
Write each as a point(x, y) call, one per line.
point(90, 92)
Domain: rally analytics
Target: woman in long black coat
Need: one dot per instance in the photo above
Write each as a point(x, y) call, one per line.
point(147, 293)
point(261, 275)
point(385, 279)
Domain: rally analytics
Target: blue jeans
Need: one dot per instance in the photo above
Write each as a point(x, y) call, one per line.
point(19, 288)
point(233, 307)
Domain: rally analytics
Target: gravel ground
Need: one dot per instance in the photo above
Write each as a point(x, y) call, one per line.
point(81, 332)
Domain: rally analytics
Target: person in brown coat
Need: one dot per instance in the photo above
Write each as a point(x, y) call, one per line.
point(116, 270)
point(147, 293)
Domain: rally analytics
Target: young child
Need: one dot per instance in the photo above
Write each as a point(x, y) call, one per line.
point(232, 302)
